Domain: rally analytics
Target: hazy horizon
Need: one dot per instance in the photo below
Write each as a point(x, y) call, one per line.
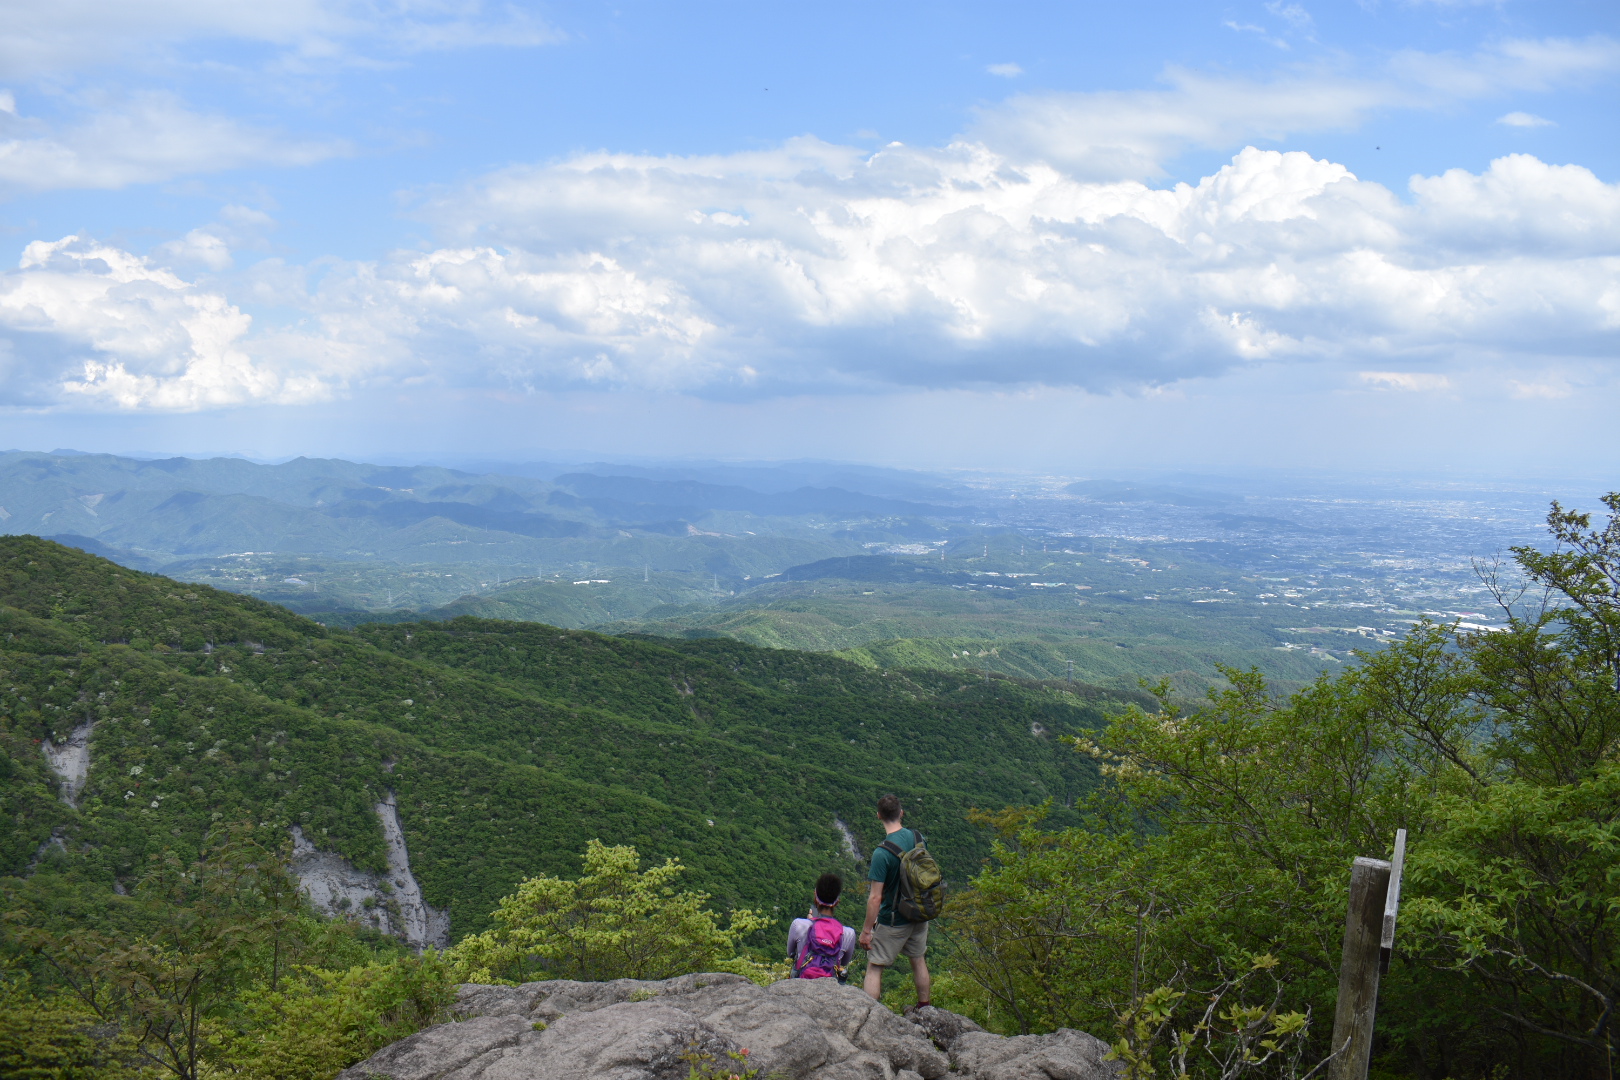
point(1570, 488)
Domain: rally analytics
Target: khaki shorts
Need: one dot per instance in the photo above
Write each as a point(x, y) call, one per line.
point(889, 942)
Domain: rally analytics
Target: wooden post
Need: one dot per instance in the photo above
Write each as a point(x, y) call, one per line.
point(1359, 970)
point(1392, 903)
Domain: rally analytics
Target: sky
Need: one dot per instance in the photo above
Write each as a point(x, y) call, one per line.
point(1378, 236)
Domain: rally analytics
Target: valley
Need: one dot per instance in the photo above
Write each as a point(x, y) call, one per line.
point(1042, 578)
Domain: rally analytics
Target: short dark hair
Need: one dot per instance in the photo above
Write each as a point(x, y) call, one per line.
point(889, 808)
point(829, 887)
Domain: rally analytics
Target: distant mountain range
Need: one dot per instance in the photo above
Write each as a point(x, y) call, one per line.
point(889, 568)
point(165, 510)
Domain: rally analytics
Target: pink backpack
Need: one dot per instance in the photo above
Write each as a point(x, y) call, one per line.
point(818, 956)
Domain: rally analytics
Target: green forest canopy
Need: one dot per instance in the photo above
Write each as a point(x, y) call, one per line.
point(508, 745)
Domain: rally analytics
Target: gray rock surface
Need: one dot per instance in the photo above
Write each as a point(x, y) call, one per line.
point(442, 1048)
point(1063, 1055)
point(391, 902)
point(629, 1041)
point(70, 760)
point(940, 1025)
point(800, 1030)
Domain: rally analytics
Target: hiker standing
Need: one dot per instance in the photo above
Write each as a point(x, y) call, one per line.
point(906, 891)
point(819, 946)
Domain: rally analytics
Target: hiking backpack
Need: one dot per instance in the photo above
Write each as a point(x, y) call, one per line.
point(823, 944)
point(922, 885)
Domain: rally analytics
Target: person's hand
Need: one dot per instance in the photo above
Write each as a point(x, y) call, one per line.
point(866, 940)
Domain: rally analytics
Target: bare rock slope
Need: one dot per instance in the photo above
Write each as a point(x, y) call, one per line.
point(391, 903)
point(799, 1030)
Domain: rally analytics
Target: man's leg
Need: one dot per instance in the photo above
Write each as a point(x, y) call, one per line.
point(921, 979)
point(874, 981)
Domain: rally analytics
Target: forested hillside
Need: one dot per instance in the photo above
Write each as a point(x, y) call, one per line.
point(507, 745)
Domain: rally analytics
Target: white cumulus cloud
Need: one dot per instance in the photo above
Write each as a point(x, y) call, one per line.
point(1520, 207)
point(815, 268)
point(89, 323)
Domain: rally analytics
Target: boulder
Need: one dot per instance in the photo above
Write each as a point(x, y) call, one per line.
point(442, 1049)
point(797, 1030)
point(1065, 1054)
point(847, 1011)
point(941, 1025)
point(631, 1041)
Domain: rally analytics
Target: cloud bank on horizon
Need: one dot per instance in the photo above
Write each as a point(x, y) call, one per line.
point(1042, 246)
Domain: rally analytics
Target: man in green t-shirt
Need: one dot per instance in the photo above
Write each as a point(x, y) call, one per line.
point(888, 934)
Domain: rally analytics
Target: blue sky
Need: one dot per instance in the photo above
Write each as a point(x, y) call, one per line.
point(1044, 236)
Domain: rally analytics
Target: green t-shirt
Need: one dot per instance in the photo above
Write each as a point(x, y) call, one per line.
point(886, 868)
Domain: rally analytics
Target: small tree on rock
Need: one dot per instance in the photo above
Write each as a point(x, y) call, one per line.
point(615, 921)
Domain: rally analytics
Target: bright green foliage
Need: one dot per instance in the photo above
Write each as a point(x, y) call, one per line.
point(202, 924)
point(55, 1037)
point(615, 921)
point(1520, 887)
point(1229, 1038)
point(750, 965)
point(202, 959)
point(1228, 832)
point(321, 1021)
point(1523, 886)
point(1255, 812)
point(1043, 927)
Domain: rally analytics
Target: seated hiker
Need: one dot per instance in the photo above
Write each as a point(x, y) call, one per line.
point(888, 934)
point(819, 946)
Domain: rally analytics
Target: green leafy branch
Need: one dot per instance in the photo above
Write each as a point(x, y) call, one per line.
point(1229, 1038)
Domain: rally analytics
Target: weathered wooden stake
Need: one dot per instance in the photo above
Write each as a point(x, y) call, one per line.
point(1369, 936)
point(1358, 970)
point(1392, 903)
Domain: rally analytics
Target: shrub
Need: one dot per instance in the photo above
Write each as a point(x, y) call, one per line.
point(321, 1022)
point(54, 1037)
point(615, 921)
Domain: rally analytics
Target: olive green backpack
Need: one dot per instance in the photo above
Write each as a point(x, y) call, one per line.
point(922, 884)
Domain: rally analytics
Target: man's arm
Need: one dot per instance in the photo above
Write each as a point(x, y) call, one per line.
point(874, 901)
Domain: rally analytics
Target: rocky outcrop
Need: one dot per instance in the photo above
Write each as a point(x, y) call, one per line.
point(847, 835)
point(70, 760)
point(391, 903)
point(422, 924)
point(799, 1030)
